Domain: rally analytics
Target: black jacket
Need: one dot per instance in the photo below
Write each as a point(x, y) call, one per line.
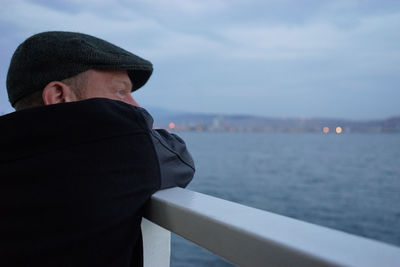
point(74, 178)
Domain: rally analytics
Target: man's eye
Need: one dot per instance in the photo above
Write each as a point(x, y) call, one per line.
point(121, 92)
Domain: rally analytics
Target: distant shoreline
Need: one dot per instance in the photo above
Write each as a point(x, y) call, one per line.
point(243, 123)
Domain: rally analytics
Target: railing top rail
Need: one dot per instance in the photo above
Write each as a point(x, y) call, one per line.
point(251, 237)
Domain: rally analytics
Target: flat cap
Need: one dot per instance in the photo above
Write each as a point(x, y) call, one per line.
point(56, 55)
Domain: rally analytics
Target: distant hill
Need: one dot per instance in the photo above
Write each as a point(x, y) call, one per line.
point(162, 113)
point(221, 122)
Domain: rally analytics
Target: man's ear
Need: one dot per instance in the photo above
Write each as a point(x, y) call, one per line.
point(57, 92)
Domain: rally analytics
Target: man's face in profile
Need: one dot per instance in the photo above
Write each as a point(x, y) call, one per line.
point(109, 84)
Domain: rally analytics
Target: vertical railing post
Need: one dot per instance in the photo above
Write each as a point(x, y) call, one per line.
point(156, 245)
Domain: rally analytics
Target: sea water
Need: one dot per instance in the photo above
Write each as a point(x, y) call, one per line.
point(350, 182)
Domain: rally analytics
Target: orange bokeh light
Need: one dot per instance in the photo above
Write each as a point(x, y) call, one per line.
point(171, 125)
point(339, 130)
point(325, 130)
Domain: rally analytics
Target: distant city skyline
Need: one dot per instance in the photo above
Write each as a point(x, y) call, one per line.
point(247, 123)
point(308, 58)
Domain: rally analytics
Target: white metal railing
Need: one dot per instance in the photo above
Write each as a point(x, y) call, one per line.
point(251, 237)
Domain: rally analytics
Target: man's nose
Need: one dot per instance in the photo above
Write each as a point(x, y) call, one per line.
point(132, 101)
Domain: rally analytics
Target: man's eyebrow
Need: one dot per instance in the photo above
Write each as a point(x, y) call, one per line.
point(127, 84)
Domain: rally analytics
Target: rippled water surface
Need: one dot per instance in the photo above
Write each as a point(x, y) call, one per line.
point(349, 182)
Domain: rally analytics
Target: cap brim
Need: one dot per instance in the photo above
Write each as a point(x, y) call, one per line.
point(139, 77)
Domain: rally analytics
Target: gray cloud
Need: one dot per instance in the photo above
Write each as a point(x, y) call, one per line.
point(289, 58)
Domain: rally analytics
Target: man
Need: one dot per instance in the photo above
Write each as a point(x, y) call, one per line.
point(79, 158)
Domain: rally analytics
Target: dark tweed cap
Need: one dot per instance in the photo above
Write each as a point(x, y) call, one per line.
point(54, 56)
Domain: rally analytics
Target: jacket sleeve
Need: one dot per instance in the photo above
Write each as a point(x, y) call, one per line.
point(176, 164)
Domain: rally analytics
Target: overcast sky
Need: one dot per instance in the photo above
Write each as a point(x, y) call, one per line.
point(307, 58)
